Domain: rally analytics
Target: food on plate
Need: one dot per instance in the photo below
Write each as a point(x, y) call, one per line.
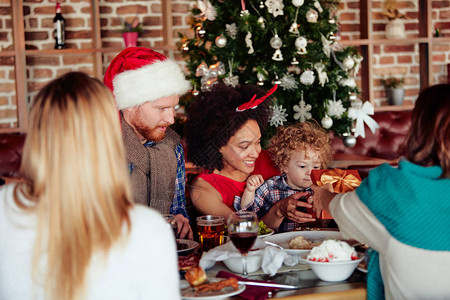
point(217, 286)
point(263, 229)
point(195, 276)
point(300, 242)
point(333, 251)
point(181, 246)
point(188, 261)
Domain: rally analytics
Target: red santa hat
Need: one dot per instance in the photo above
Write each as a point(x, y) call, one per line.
point(138, 75)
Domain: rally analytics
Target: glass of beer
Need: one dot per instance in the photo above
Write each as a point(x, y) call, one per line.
point(210, 231)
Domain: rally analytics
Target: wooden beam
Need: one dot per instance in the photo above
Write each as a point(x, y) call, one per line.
point(20, 64)
point(167, 25)
point(97, 39)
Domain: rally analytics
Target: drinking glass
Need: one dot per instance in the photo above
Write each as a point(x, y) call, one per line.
point(172, 223)
point(211, 230)
point(243, 229)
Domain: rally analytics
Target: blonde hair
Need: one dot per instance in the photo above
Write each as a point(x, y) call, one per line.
point(75, 175)
point(300, 136)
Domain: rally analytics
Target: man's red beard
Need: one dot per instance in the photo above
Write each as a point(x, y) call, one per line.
point(150, 134)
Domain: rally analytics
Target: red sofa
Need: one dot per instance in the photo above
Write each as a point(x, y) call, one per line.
point(11, 145)
point(386, 142)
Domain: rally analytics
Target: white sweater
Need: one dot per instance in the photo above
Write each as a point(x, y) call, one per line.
point(141, 266)
point(408, 273)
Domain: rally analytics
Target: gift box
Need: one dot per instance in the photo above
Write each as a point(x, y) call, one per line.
point(343, 181)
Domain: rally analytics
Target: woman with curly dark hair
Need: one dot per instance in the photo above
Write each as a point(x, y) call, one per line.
point(223, 133)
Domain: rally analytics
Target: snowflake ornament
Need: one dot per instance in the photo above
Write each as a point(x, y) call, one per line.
point(231, 30)
point(288, 82)
point(335, 108)
point(275, 7)
point(278, 115)
point(302, 111)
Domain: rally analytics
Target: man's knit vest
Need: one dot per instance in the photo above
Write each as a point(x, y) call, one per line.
point(154, 169)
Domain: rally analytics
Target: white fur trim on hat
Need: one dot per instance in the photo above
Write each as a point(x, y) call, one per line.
point(149, 83)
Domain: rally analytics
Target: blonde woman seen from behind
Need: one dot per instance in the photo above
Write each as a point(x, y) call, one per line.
point(72, 231)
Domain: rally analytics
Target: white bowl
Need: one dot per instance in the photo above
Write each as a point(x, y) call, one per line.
point(235, 263)
point(333, 271)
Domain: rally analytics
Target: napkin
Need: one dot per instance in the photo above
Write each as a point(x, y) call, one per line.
point(250, 292)
point(273, 258)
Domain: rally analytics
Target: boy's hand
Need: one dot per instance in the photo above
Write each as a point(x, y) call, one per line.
point(253, 182)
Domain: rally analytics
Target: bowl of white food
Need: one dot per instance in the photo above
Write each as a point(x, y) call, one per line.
point(333, 260)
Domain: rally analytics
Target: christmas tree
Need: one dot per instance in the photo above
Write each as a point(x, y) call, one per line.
point(289, 43)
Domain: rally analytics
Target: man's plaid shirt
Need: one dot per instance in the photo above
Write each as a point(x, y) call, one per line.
point(270, 192)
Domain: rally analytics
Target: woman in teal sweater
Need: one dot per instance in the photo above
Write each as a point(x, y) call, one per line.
point(403, 213)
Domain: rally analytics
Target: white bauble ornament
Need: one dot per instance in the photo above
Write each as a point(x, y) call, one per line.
point(327, 122)
point(221, 41)
point(300, 44)
point(312, 16)
point(298, 3)
point(307, 77)
point(349, 62)
point(349, 141)
point(276, 42)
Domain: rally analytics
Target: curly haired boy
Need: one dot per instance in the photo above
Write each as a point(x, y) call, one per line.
point(295, 150)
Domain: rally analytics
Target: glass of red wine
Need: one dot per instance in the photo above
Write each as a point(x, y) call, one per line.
point(243, 229)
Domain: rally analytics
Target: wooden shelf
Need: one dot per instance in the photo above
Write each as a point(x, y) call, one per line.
point(405, 106)
point(59, 52)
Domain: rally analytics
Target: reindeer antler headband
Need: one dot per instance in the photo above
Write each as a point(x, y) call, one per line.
point(253, 103)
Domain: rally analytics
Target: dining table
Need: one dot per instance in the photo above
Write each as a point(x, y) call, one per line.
point(309, 286)
point(302, 282)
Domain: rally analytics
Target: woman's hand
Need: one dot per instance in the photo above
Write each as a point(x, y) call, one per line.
point(321, 198)
point(288, 208)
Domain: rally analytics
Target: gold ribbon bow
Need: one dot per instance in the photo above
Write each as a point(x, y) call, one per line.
point(341, 180)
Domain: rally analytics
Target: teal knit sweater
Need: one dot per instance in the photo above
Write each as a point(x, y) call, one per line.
point(413, 204)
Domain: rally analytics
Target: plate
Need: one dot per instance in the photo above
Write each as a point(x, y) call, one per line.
point(267, 234)
point(190, 245)
point(188, 292)
point(362, 270)
point(283, 239)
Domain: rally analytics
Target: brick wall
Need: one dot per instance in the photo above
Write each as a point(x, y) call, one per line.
point(38, 16)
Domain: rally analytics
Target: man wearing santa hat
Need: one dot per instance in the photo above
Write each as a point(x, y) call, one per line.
point(147, 87)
